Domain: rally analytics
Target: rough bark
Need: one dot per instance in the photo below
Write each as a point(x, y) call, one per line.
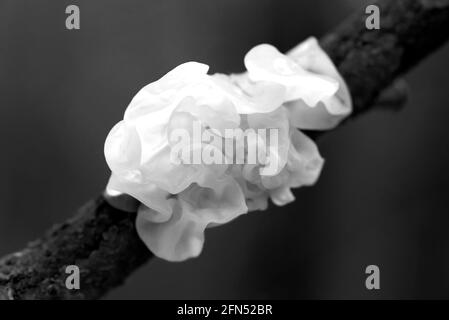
point(370, 60)
point(102, 240)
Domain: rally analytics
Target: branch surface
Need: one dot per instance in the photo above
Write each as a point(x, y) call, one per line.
point(103, 241)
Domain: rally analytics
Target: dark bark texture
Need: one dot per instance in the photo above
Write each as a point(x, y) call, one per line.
point(103, 241)
point(100, 240)
point(370, 60)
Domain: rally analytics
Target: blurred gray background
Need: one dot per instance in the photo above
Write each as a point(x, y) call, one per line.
point(382, 198)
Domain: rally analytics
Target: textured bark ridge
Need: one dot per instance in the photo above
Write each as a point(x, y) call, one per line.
point(103, 241)
point(370, 60)
point(100, 240)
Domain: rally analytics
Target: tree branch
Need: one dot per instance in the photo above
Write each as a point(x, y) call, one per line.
point(103, 241)
point(100, 240)
point(370, 60)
